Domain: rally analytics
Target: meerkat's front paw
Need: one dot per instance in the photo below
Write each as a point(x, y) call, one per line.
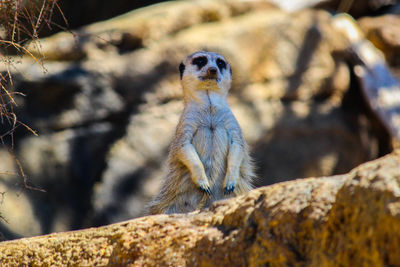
point(204, 186)
point(229, 187)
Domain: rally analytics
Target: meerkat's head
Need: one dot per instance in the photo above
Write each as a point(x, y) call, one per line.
point(205, 71)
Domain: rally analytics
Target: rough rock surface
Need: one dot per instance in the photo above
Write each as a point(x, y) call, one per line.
point(383, 32)
point(356, 8)
point(380, 88)
point(106, 108)
point(346, 220)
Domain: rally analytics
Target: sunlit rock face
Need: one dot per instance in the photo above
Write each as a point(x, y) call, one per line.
point(107, 106)
point(344, 220)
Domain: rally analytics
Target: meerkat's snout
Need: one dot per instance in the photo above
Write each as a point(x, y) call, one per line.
point(212, 73)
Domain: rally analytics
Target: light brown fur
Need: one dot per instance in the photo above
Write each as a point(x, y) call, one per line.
point(208, 158)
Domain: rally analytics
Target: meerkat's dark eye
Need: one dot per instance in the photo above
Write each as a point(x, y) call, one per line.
point(181, 69)
point(221, 64)
point(200, 62)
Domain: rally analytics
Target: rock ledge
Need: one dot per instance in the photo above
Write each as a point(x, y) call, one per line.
point(351, 219)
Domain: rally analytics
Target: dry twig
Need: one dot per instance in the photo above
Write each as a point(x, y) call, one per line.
point(20, 22)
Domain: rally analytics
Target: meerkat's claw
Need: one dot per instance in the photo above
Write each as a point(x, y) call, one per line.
point(204, 186)
point(205, 189)
point(229, 187)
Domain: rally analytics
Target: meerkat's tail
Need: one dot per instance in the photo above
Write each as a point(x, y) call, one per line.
point(248, 181)
point(167, 195)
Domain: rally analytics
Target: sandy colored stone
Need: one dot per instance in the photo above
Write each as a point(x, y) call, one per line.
point(348, 220)
point(140, 27)
point(383, 32)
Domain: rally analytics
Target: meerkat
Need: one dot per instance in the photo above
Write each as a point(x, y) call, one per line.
point(208, 158)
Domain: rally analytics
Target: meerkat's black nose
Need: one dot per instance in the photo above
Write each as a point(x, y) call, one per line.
point(212, 71)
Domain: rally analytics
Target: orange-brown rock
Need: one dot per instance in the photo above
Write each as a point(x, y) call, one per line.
point(346, 220)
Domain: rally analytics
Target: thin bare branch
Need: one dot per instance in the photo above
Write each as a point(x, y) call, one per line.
point(25, 178)
point(19, 47)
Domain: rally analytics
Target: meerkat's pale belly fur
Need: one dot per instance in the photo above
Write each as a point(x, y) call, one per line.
point(211, 128)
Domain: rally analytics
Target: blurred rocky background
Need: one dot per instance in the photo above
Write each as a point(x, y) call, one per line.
point(106, 102)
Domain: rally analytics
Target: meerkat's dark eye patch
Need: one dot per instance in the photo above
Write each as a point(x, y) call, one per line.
point(181, 69)
point(200, 62)
point(221, 64)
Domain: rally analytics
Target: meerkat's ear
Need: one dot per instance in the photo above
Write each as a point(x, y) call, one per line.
point(181, 69)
